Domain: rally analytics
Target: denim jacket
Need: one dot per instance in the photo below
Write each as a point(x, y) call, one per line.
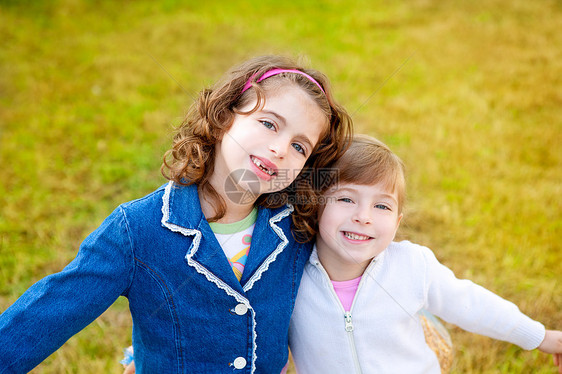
point(190, 313)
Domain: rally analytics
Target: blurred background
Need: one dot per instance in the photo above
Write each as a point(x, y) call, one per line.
point(468, 93)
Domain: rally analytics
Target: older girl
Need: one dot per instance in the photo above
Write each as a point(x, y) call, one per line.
point(242, 142)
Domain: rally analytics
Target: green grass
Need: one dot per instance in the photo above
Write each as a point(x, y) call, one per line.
point(467, 93)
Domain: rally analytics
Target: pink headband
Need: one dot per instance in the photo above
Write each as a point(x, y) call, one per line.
point(273, 72)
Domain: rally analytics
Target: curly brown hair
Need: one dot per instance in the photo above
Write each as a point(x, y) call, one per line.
point(192, 156)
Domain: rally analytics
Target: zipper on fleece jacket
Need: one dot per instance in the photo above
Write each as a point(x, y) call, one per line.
point(348, 319)
point(349, 328)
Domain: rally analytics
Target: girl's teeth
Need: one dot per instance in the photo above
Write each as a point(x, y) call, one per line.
point(353, 236)
point(263, 168)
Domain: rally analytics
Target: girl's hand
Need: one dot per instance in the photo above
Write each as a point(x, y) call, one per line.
point(130, 369)
point(552, 344)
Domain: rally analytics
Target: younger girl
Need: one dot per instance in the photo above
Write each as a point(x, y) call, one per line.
point(359, 300)
point(247, 137)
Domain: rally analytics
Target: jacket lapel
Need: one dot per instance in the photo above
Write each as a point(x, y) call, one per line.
point(268, 241)
point(181, 212)
point(211, 256)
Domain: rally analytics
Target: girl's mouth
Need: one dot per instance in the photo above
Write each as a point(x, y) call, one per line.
point(267, 169)
point(355, 236)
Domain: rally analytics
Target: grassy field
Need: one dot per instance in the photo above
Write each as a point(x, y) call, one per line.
point(467, 93)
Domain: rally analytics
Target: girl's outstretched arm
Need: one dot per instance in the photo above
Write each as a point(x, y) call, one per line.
point(60, 305)
point(552, 344)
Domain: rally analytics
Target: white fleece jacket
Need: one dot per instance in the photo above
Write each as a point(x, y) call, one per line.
point(387, 336)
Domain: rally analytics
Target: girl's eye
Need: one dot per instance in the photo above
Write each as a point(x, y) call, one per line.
point(382, 206)
point(268, 125)
point(345, 199)
point(299, 148)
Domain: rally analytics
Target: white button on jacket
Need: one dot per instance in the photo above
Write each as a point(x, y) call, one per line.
point(240, 309)
point(239, 362)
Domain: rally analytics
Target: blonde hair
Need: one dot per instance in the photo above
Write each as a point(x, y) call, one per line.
point(192, 156)
point(368, 161)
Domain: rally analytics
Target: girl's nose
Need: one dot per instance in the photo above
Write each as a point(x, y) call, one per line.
point(361, 215)
point(279, 148)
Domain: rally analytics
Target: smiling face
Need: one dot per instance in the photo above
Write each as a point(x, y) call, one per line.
point(270, 145)
point(356, 224)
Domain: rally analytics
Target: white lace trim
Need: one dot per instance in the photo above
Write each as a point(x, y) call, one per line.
point(201, 269)
point(284, 241)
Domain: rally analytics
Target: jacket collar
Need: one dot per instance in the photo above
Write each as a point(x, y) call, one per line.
point(181, 212)
point(374, 265)
point(179, 200)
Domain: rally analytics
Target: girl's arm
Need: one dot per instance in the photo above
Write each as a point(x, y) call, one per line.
point(60, 305)
point(479, 310)
point(552, 344)
point(476, 309)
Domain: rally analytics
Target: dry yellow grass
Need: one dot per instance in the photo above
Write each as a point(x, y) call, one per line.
point(467, 93)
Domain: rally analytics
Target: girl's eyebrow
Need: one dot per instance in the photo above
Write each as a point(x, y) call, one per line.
point(337, 189)
point(389, 196)
point(384, 195)
point(280, 118)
